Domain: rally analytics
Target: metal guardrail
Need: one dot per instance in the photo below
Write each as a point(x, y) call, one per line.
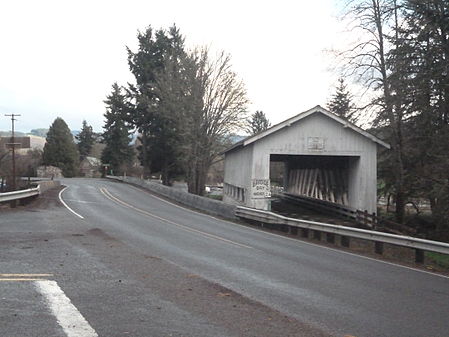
point(17, 195)
point(346, 232)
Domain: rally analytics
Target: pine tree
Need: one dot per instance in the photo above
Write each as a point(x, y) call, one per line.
point(341, 102)
point(422, 72)
point(258, 122)
point(117, 131)
point(185, 104)
point(368, 61)
point(86, 139)
point(60, 149)
point(159, 130)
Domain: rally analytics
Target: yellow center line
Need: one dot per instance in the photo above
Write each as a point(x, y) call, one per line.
point(26, 275)
point(108, 195)
point(20, 279)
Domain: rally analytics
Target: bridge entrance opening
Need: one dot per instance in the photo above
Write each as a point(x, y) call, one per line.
point(328, 178)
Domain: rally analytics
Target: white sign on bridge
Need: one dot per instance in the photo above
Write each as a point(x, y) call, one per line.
point(260, 189)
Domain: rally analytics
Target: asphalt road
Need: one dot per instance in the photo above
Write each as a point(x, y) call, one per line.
point(136, 265)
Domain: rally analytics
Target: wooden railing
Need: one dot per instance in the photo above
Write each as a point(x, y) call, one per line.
point(382, 224)
point(362, 218)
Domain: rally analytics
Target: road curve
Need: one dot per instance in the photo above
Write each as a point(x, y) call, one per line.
point(331, 292)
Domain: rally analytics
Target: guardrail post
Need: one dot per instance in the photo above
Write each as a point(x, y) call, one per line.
point(345, 241)
point(305, 232)
point(293, 230)
point(317, 235)
point(419, 256)
point(379, 247)
point(330, 237)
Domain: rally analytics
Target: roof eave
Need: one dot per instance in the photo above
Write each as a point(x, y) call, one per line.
point(294, 119)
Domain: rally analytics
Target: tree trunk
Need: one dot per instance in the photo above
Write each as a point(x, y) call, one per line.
point(145, 163)
point(200, 183)
point(392, 110)
point(191, 175)
point(432, 202)
point(198, 176)
point(400, 206)
point(165, 171)
point(400, 194)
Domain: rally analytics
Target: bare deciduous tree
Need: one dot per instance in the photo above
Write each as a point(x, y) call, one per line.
point(224, 108)
point(377, 23)
point(208, 101)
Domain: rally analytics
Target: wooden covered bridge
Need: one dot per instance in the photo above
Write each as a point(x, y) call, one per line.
point(324, 157)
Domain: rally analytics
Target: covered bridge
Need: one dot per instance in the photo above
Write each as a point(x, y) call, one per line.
point(324, 157)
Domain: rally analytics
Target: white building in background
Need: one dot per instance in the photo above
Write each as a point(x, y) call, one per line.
point(26, 143)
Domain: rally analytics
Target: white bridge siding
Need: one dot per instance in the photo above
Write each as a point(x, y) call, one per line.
point(238, 171)
point(326, 158)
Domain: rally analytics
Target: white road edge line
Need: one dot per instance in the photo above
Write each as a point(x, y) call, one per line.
point(67, 315)
point(292, 239)
point(66, 206)
point(341, 251)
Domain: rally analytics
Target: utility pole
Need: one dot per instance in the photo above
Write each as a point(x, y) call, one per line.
point(13, 147)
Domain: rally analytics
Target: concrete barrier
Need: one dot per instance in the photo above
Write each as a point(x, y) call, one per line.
point(214, 207)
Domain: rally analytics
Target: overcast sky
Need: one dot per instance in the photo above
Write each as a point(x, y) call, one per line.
point(60, 58)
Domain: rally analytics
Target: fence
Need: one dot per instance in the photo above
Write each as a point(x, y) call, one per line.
point(381, 224)
point(362, 218)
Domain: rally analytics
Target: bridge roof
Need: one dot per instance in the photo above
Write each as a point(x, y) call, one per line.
point(300, 116)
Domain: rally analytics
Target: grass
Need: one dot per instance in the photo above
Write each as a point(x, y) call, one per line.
point(441, 260)
point(216, 197)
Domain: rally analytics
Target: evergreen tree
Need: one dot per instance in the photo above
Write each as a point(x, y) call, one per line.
point(422, 72)
point(185, 104)
point(86, 139)
point(258, 122)
point(341, 102)
point(406, 61)
point(60, 149)
point(156, 119)
point(117, 131)
point(207, 101)
point(368, 61)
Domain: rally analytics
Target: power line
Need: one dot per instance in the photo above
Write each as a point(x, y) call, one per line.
point(13, 147)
